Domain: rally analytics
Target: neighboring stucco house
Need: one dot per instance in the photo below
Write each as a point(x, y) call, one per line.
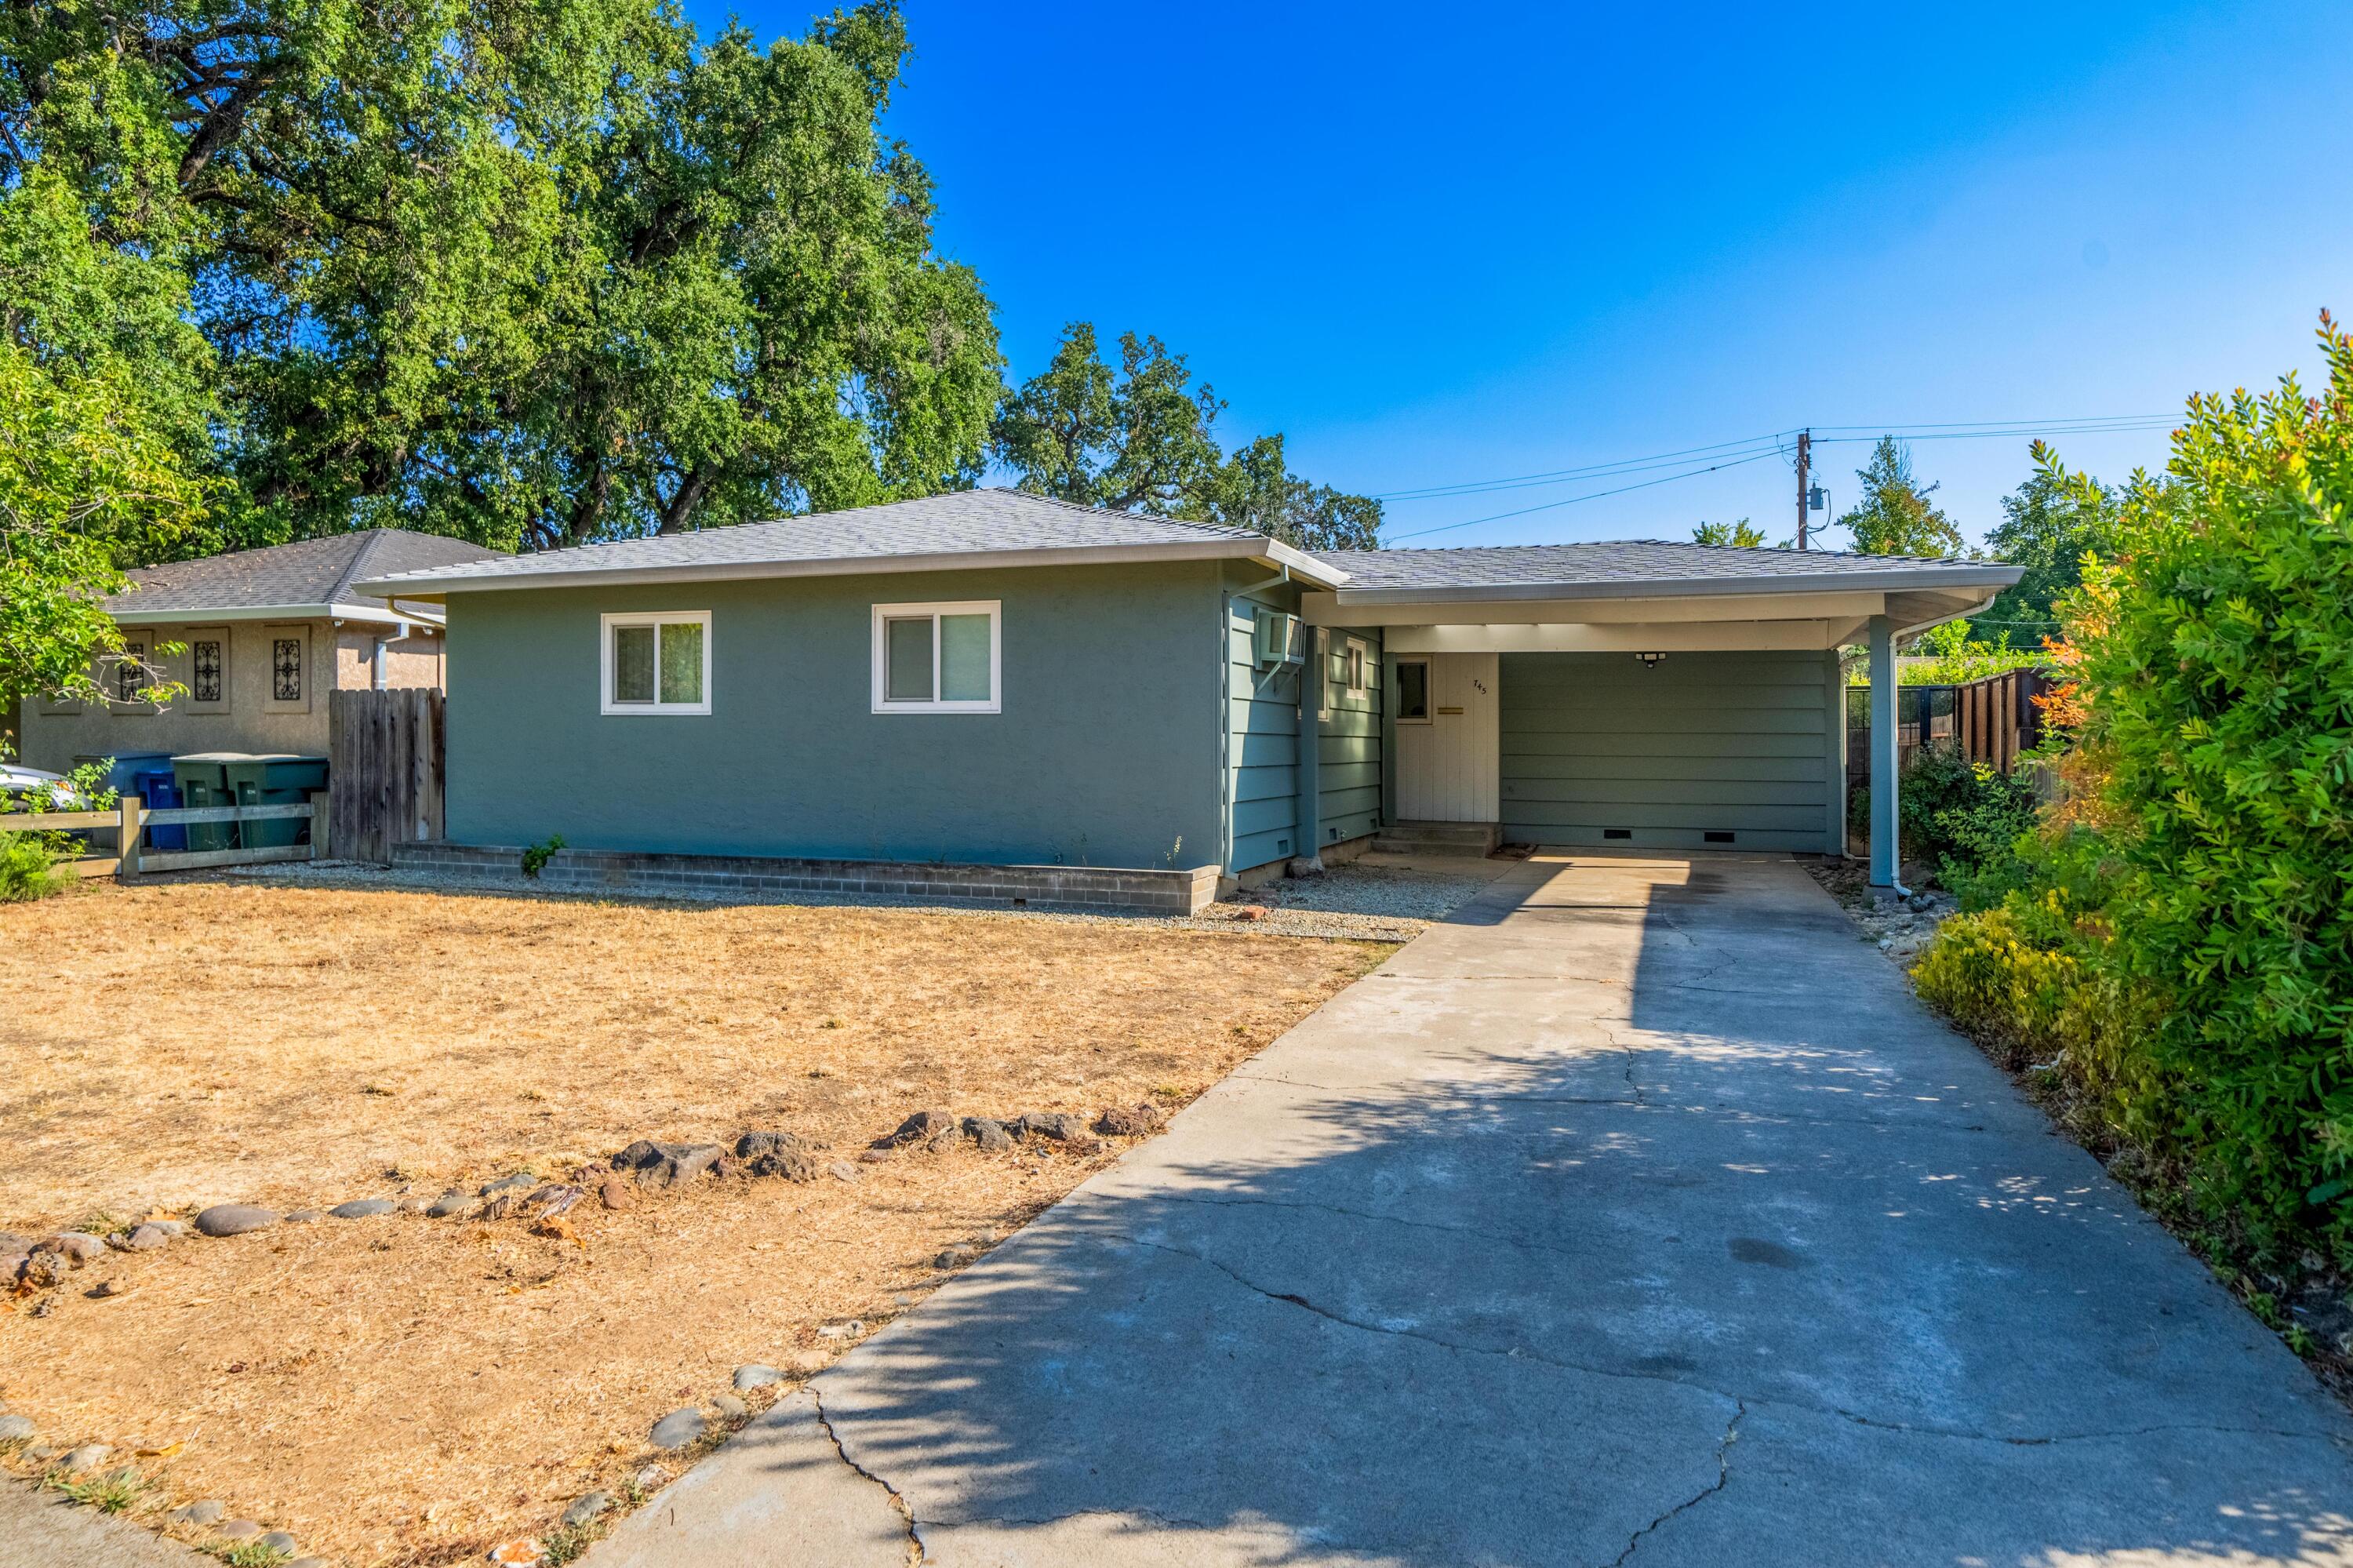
point(266, 635)
point(997, 678)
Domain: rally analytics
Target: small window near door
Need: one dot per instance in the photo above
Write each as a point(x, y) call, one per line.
point(1352, 668)
point(1413, 691)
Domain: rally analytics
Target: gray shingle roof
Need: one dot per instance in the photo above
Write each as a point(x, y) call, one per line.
point(968, 521)
point(1639, 561)
point(307, 572)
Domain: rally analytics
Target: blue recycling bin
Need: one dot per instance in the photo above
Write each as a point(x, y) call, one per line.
point(161, 791)
point(124, 769)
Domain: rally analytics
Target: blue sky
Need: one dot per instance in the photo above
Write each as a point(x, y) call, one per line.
point(1436, 246)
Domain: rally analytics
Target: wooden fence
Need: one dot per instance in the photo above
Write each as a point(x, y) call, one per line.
point(132, 820)
point(383, 771)
point(1993, 719)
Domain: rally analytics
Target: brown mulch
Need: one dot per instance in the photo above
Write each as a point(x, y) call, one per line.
point(402, 1390)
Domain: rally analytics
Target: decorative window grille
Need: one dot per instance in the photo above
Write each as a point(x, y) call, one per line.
point(131, 675)
point(204, 686)
point(286, 670)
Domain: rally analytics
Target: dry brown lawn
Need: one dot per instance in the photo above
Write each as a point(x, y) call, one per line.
point(408, 1391)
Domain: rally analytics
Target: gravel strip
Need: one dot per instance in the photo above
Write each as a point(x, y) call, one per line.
point(1356, 902)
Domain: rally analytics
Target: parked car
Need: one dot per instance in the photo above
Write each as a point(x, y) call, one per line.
point(18, 782)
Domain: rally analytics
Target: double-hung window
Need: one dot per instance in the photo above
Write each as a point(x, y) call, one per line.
point(656, 662)
point(938, 658)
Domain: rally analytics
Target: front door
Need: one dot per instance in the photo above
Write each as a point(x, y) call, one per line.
point(1448, 755)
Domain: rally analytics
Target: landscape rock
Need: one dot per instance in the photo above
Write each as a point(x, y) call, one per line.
point(106, 1287)
point(15, 1428)
point(78, 1245)
point(450, 1204)
point(278, 1541)
point(842, 1171)
point(1061, 1128)
point(555, 1198)
point(615, 1195)
point(1133, 1121)
point(305, 1216)
point(792, 1164)
point(412, 1205)
point(238, 1529)
point(953, 1257)
point(520, 1182)
point(677, 1429)
point(498, 1208)
point(667, 1165)
point(987, 1132)
point(89, 1456)
point(649, 1480)
point(873, 1156)
point(36, 1452)
point(40, 1270)
point(362, 1209)
point(144, 1238)
point(919, 1127)
point(585, 1509)
point(236, 1219)
point(752, 1145)
point(731, 1406)
point(207, 1511)
point(747, 1378)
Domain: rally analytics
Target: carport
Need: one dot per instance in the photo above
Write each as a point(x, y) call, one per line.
point(1641, 696)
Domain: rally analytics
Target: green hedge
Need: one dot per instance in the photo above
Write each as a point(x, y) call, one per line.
point(2198, 981)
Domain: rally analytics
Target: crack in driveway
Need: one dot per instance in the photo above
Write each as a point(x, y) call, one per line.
point(916, 1551)
point(1723, 1479)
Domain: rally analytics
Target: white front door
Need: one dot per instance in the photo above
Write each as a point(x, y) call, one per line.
point(1448, 760)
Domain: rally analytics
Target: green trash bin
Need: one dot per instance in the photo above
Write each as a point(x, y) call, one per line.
point(279, 780)
point(202, 779)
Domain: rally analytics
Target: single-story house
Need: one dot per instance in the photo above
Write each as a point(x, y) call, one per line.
point(995, 678)
point(265, 634)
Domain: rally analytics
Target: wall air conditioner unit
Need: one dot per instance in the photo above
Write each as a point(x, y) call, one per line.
point(1280, 639)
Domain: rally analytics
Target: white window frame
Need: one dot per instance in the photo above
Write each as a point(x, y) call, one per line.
point(1429, 708)
point(883, 614)
point(605, 624)
point(1356, 661)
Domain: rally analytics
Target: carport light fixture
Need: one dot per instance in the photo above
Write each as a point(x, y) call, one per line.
point(1651, 661)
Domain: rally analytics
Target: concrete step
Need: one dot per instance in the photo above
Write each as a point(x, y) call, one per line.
point(1437, 838)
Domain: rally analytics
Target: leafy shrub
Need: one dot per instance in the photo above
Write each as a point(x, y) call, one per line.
point(28, 866)
point(1951, 809)
point(535, 857)
point(2216, 668)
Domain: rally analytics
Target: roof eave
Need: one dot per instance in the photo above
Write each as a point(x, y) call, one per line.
point(1989, 575)
point(429, 584)
point(204, 615)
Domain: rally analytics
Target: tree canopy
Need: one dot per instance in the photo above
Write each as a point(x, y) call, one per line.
point(1141, 438)
point(2049, 523)
point(1743, 535)
point(1894, 517)
point(529, 271)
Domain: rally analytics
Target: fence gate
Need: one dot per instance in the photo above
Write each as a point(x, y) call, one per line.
point(385, 773)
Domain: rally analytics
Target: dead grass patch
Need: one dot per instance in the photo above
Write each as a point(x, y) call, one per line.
point(404, 1391)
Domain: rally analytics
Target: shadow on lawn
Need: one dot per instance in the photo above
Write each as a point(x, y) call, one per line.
point(1742, 1258)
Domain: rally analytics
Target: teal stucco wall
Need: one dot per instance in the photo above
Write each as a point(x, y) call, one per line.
point(1745, 744)
point(1107, 752)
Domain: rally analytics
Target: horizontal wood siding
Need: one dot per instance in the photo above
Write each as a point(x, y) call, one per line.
point(1348, 746)
point(1738, 743)
point(1262, 744)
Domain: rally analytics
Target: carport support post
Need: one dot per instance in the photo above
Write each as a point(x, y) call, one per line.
point(1306, 813)
point(1883, 863)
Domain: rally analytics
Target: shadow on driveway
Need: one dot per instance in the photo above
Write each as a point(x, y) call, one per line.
point(1637, 1213)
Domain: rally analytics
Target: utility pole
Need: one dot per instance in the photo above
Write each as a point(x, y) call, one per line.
point(1805, 461)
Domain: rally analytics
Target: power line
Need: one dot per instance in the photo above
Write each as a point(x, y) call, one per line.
point(1596, 496)
point(1564, 475)
point(1987, 429)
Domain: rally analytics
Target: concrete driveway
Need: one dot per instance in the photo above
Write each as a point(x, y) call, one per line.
point(1637, 1214)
